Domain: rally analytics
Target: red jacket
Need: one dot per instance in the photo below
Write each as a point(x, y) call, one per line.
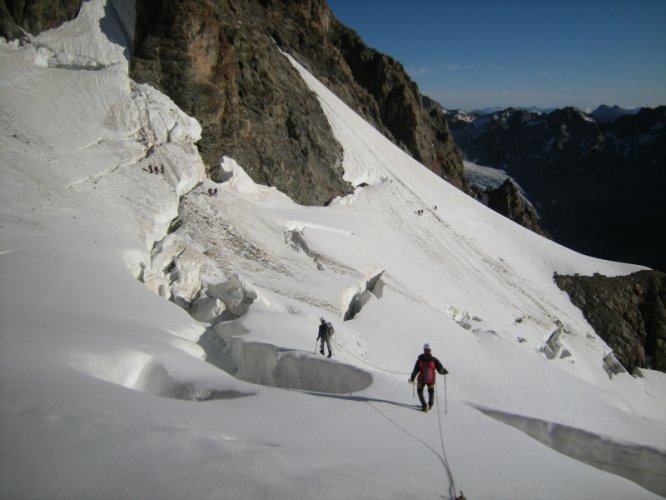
point(425, 367)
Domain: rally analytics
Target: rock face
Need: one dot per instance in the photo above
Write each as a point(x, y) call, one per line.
point(595, 184)
point(221, 62)
point(507, 201)
point(34, 16)
point(628, 312)
point(218, 63)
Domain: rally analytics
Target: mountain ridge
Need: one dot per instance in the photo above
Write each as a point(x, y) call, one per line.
point(595, 184)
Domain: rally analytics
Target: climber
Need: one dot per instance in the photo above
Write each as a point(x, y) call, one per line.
point(425, 367)
point(325, 333)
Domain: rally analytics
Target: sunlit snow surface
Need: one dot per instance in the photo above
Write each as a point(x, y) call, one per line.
point(104, 389)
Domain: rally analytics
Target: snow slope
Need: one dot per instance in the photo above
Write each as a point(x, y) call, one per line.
point(104, 387)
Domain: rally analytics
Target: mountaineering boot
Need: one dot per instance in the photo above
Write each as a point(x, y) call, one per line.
point(322, 352)
point(329, 354)
point(424, 407)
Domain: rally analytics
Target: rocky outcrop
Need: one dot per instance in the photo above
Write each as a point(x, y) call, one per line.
point(628, 312)
point(34, 16)
point(221, 62)
point(596, 185)
point(507, 201)
point(217, 61)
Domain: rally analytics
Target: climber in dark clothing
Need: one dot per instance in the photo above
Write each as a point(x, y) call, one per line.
point(325, 333)
point(426, 366)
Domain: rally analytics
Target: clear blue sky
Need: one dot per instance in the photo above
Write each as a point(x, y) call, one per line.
point(471, 54)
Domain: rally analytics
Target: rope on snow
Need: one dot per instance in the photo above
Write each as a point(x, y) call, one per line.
point(443, 458)
point(366, 361)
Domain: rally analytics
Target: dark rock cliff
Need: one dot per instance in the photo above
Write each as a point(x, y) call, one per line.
point(221, 62)
point(218, 63)
point(507, 201)
point(34, 16)
point(628, 312)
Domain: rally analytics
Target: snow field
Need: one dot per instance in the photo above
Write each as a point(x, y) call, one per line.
point(105, 392)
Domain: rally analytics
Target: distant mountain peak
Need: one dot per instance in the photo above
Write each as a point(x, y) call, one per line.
point(605, 113)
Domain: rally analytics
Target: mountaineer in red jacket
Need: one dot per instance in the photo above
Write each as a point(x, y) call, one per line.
point(426, 366)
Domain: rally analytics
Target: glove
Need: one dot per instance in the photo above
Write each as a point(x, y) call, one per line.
point(445, 372)
point(411, 380)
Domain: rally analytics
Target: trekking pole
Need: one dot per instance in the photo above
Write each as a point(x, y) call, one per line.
point(315, 351)
point(446, 405)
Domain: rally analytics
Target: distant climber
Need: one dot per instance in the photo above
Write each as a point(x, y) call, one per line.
point(161, 169)
point(425, 367)
point(325, 333)
point(150, 169)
